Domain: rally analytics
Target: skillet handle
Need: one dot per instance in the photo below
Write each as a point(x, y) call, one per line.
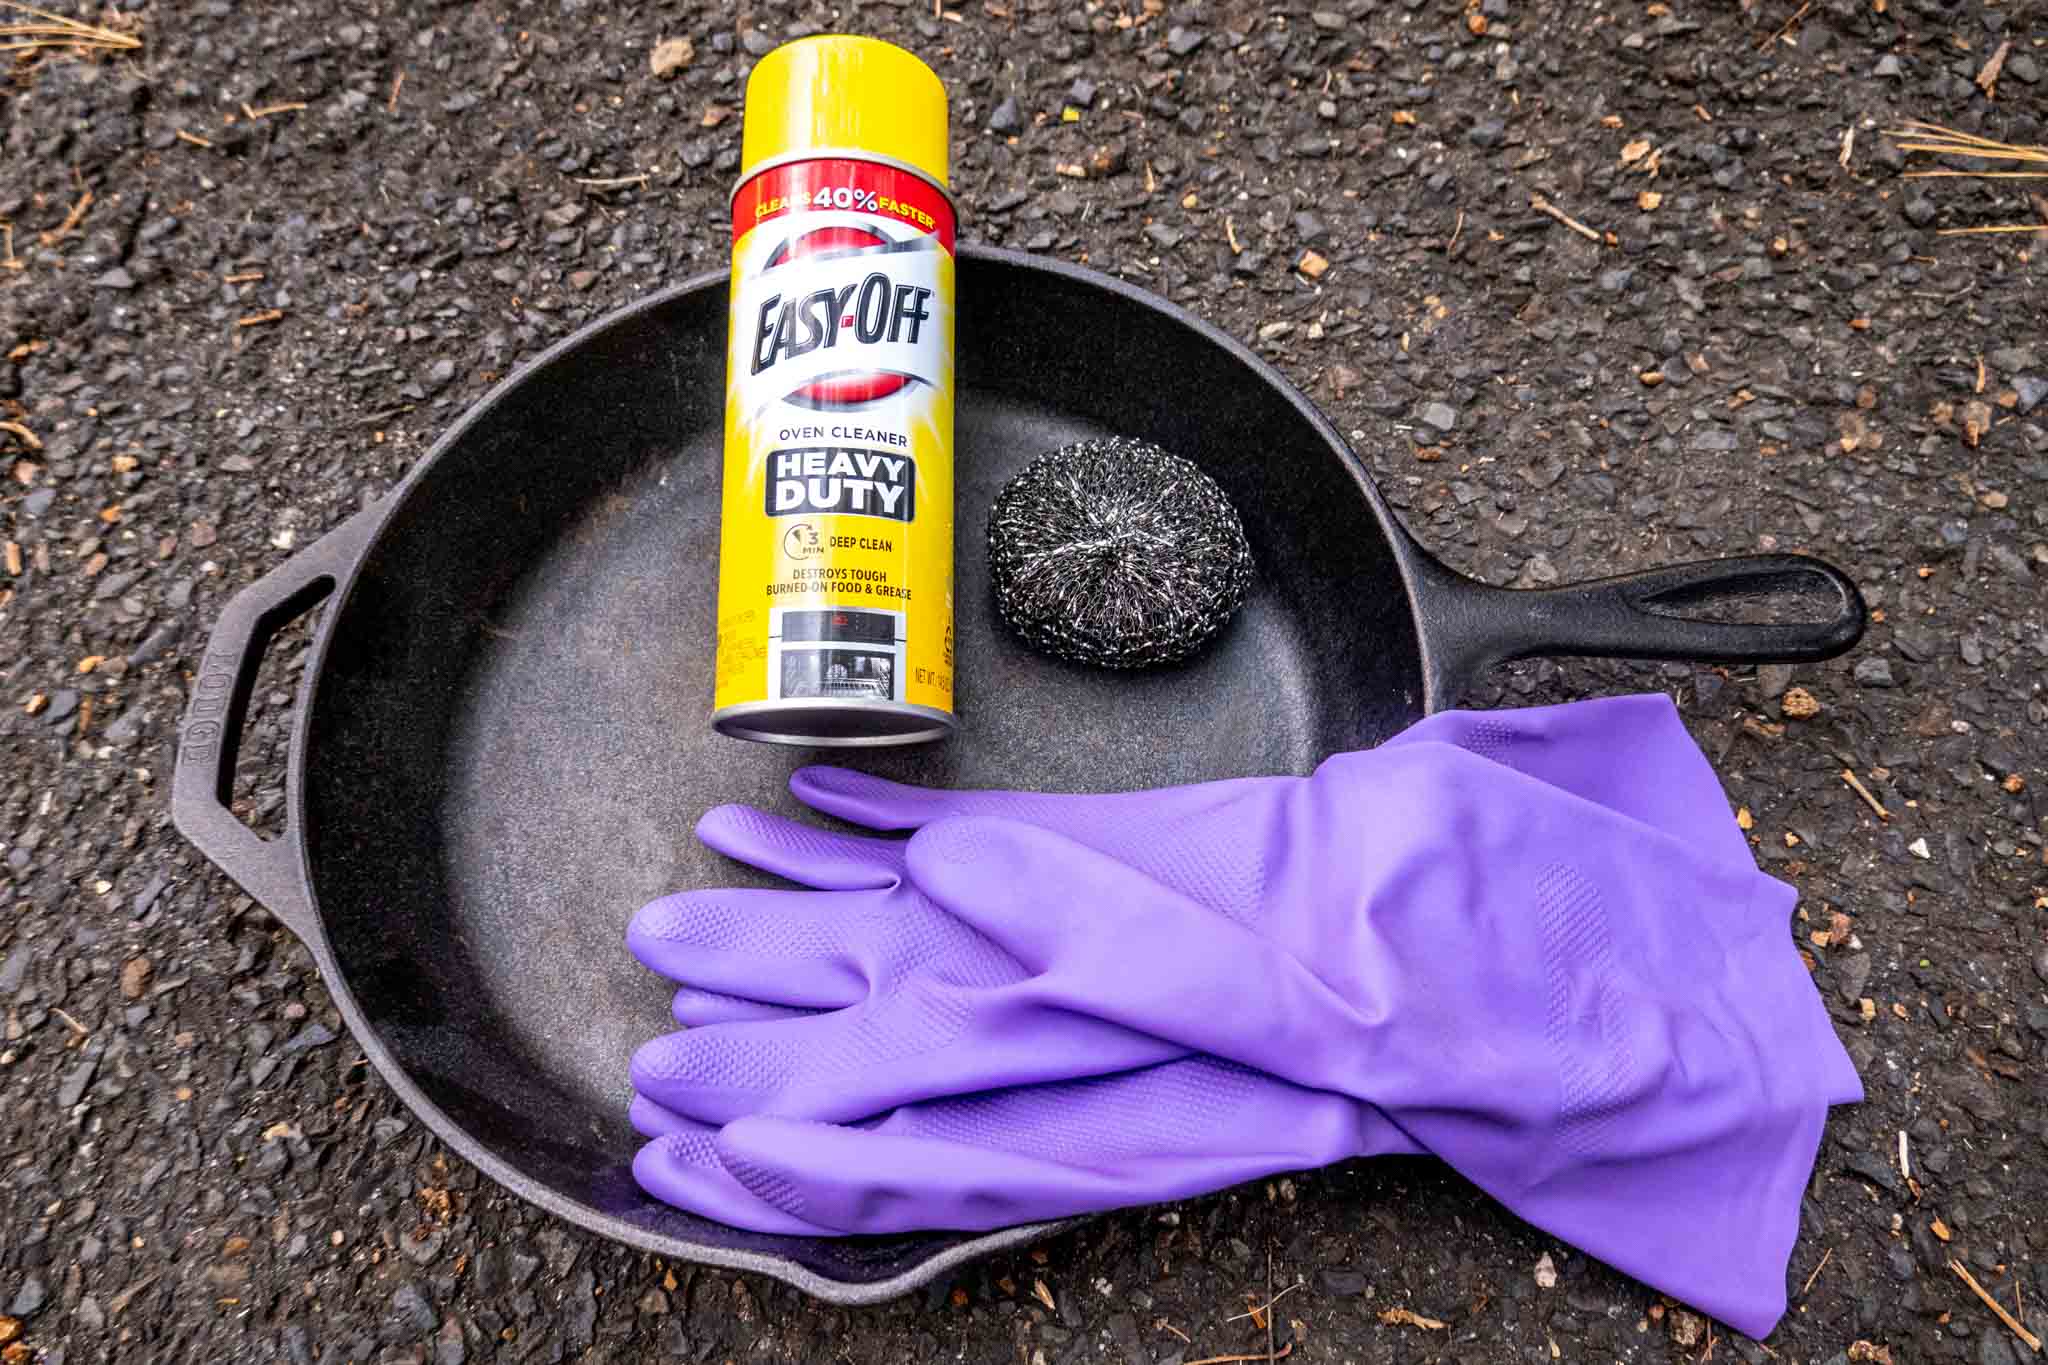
point(202, 784)
point(1642, 615)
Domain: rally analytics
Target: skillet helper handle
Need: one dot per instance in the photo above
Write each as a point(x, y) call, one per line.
point(1649, 614)
point(202, 784)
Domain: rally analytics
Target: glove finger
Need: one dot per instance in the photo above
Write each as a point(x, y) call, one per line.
point(926, 1041)
point(653, 1120)
point(682, 1169)
point(800, 948)
point(825, 860)
point(699, 1009)
point(1165, 1132)
point(879, 803)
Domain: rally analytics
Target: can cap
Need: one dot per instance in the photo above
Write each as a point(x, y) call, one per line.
point(847, 93)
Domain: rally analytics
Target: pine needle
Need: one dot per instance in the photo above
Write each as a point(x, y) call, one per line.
point(54, 30)
point(1920, 136)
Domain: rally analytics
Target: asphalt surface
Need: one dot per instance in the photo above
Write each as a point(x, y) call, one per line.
point(316, 233)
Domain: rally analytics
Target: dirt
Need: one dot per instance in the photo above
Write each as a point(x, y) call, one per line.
point(267, 312)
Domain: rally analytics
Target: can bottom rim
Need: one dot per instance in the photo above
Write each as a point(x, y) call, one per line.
point(828, 724)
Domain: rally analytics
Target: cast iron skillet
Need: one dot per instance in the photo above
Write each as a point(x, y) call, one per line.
point(502, 740)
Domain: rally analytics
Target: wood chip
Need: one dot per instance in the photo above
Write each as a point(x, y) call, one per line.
point(714, 114)
point(2033, 1342)
point(1404, 117)
point(14, 558)
point(193, 138)
point(1648, 201)
point(1940, 1229)
point(1987, 79)
point(35, 704)
point(1635, 151)
point(10, 1328)
point(1043, 1295)
point(670, 56)
point(1800, 704)
point(25, 436)
point(1550, 210)
point(1743, 819)
point(1393, 1317)
point(259, 319)
point(1976, 421)
point(1849, 776)
point(90, 662)
point(1313, 264)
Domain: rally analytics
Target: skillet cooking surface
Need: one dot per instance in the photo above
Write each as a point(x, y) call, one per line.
point(509, 743)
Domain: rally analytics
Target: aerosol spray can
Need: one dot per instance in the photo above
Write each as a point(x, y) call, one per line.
point(835, 580)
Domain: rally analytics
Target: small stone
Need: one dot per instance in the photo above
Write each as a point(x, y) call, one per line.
point(1007, 119)
point(2031, 390)
point(63, 705)
point(1714, 439)
point(117, 278)
point(38, 502)
point(1773, 679)
point(1327, 20)
point(72, 1088)
point(1972, 650)
point(1343, 1282)
point(158, 641)
point(313, 1035)
point(2041, 965)
point(1546, 1272)
point(1919, 210)
point(1486, 133)
point(580, 280)
point(1442, 416)
point(29, 1299)
point(202, 535)
point(1887, 65)
point(1616, 280)
point(670, 56)
point(1918, 848)
point(1686, 1328)
point(410, 1316)
point(146, 897)
point(1081, 94)
point(1993, 1349)
point(135, 977)
point(1874, 672)
point(1181, 41)
point(1163, 235)
point(449, 1347)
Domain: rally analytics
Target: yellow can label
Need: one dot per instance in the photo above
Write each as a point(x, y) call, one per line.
point(835, 577)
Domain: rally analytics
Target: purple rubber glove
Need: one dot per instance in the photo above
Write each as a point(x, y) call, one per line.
point(1605, 1071)
point(973, 1151)
point(955, 1015)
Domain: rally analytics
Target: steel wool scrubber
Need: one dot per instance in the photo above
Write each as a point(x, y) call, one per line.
point(1115, 553)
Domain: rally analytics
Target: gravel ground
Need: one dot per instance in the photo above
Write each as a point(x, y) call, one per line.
point(315, 234)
